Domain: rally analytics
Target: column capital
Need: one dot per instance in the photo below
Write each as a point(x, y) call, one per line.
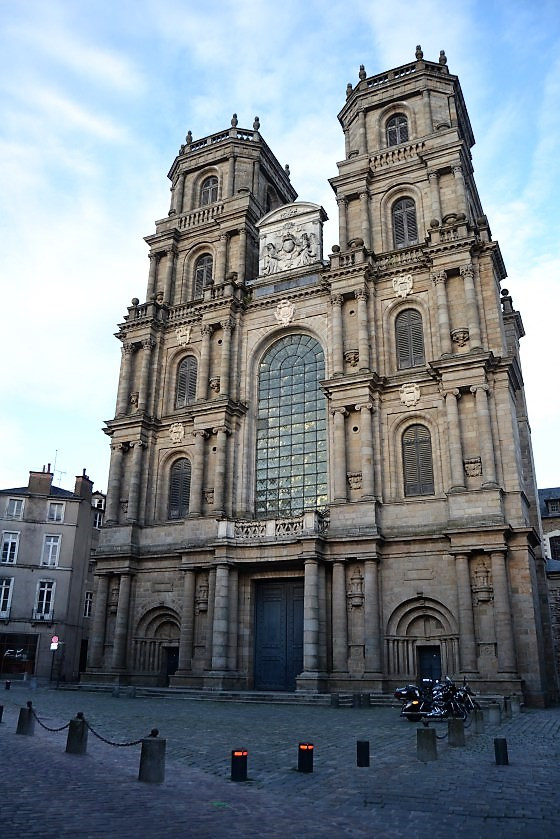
point(336, 299)
point(200, 433)
point(138, 444)
point(467, 270)
point(451, 392)
point(227, 325)
point(361, 294)
point(128, 348)
point(148, 344)
point(364, 195)
point(457, 169)
point(342, 202)
point(206, 330)
point(219, 428)
point(118, 447)
point(438, 277)
point(342, 411)
point(475, 388)
point(433, 175)
point(368, 406)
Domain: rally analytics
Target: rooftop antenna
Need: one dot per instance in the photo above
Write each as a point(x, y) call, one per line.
point(56, 471)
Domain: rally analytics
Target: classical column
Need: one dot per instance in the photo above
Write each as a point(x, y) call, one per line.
point(372, 629)
point(210, 618)
point(221, 258)
point(242, 256)
point(179, 188)
point(233, 618)
point(204, 366)
point(502, 614)
point(342, 222)
point(363, 329)
point(460, 189)
point(195, 506)
point(337, 343)
point(114, 484)
point(135, 475)
point(485, 435)
point(339, 619)
point(311, 616)
point(433, 178)
point(121, 623)
point(473, 320)
point(467, 644)
point(227, 329)
point(221, 619)
point(339, 454)
point(366, 450)
point(186, 638)
point(220, 470)
point(438, 279)
point(364, 211)
point(124, 381)
point(97, 636)
point(152, 276)
point(362, 134)
point(454, 437)
point(169, 272)
point(230, 185)
point(427, 107)
point(148, 345)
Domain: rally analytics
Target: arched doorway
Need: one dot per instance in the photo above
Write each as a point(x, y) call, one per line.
point(156, 646)
point(422, 640)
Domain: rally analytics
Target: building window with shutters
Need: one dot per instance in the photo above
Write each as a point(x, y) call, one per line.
point(291, 446)
point(209, 191)
point(417, 461)
point(186, 382)
point(409, 339)
point(405, 227)
point(202, 274)
point(10, 543)
point(397, 130)
point(179, 489)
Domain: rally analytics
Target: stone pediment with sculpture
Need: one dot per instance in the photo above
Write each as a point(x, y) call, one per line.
point(291, 237)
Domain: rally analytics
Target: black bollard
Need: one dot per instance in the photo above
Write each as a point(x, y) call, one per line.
point(76, 742)
point(305, 757)
point(1, 712)
point(152, 759)
point(501, 752)
point(7, 684)
point(26, 720)
point(362, 753)
point(239, 765)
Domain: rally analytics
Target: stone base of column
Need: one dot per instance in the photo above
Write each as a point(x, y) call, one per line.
point(312, 681)
point(185, 678)
point(221, 680)
point(367, 682)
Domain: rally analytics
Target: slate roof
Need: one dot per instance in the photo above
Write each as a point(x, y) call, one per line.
point(57, 492)
point(546, 495)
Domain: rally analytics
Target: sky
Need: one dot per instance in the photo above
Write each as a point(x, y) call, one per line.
point(95, 99)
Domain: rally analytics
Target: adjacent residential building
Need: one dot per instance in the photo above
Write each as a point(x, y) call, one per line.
point(46, 576)
point(549, 500)
point(321, 474)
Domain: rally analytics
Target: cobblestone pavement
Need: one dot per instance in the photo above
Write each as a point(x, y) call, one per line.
point(49, 793)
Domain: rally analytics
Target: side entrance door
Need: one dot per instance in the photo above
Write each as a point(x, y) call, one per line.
point(429, 662)
point(278, 634)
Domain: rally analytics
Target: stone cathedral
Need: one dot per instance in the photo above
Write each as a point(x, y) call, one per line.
point(321, 474)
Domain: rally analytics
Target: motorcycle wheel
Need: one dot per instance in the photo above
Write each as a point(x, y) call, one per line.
point(413, 717)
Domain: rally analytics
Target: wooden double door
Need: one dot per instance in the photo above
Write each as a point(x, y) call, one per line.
point(278, 634)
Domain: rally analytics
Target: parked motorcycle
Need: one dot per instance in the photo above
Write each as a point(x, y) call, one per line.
point(435, 700)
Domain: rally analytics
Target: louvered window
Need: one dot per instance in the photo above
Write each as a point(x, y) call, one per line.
point(409, 339)
point(202, 274)
point(186, 382)
point(405, 228)
point(209, 191)
point(417, 461)
point(179, 489)
point(397, 130)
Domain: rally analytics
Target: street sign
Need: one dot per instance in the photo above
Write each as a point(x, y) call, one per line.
point(54, 643)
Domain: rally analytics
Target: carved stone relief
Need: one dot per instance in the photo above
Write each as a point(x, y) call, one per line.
point(352, 357)
point(460, 336)
point(284, 312)
point(183, 334)
point(473, 467)
point(177, 432)
point(402, 285)
point(291, 237)
point(410, 394)
point(354, 480)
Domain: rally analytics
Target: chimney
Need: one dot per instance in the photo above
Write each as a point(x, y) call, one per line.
point(40, 482)
point(84, 486)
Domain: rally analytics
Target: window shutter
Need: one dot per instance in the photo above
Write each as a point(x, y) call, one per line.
point(411, 225)
point(179, 489)
point(409, 339)
point(402, 339)
point(202, 274)
point(398, 224)
point(416, 338)
point(417, 461)
point(186, 382)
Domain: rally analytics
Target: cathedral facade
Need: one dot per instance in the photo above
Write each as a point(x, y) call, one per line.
point(321, 474)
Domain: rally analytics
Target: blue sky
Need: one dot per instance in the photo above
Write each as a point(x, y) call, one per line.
point(97, 96)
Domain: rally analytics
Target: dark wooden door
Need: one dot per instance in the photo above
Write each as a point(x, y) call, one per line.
point(429, 662)
point(278, 634)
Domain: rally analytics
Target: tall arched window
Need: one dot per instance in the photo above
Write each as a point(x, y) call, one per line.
point(202, 274)
point(409, 339)
point(291, 429)
point(179, 489)
point(186, 382)
point(209, 190)
point(417, 461)
point(397, 130)
point(405, 228)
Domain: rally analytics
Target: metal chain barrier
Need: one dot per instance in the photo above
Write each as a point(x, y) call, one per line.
point(153, 733)
point(42, 724)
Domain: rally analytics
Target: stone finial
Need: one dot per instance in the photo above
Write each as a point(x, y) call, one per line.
point(362, 73)
point(234, 121)
point(287, 170)
point(256, 124)
point(442, 57)
point(348, 89)
point(419, 54)
point(188, 138)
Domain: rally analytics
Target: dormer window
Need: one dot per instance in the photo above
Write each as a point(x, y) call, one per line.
point(553, 506)
point(397, 130)
point(209, 191)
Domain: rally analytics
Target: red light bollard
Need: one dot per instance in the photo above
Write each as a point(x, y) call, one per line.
point(239, 765)
point(305, 757)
